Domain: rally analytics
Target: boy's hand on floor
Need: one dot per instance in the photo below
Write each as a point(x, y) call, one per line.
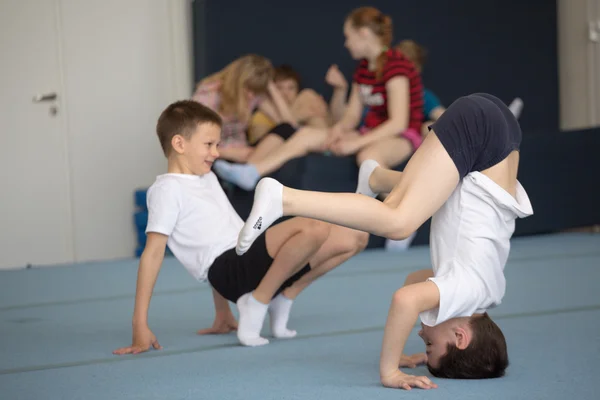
point(400, 380)
point(224, 323)
point(143, 339)
point(413, 360)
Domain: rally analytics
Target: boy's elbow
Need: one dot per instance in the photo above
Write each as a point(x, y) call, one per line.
point(407, 299)
point(400, 299)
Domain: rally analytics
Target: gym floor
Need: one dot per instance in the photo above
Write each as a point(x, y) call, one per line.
point(59, 326)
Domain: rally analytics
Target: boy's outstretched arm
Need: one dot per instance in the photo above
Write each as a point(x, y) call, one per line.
point(224, 320)
point(150, 263)
point(406, 305)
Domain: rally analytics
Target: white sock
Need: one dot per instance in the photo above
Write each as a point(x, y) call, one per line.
point(279, 313)
point(516, 107)
point(267, 208)
point(252, 316)
point(366, 169)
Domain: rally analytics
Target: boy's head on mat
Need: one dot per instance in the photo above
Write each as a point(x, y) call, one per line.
point(465, 348)
point(189, 134)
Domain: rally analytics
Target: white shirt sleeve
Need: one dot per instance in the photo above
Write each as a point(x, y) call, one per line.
point(461, 295)
point(164, 203)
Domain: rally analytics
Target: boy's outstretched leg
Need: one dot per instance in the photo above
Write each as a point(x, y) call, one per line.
point(431, 165)
point(291, 244)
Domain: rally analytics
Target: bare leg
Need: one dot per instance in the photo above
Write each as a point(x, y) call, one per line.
point(300, 144)
point(342, 244)
point(418, 276)
point(291, 244)
point(384, 180)
point(427, 182)
point(268, 144)
point(387, 152)
point(304, 141)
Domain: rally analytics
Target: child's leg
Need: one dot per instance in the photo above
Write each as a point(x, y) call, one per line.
point(428, 180)
point(387, 152)
point(418, 276)
point(291, 244)
point(304, 141)
point(374, 179)
point(479, 132)
point(301, 143)
point(342, 244)
point(270, 142)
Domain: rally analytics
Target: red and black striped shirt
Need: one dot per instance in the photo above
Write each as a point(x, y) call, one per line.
point(374, 95)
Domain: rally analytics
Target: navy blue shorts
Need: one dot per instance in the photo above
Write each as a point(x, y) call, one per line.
point(478, 131)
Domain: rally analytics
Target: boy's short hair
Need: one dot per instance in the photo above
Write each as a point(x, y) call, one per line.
point(286, 71)
point(182, 118)
point(485, 357)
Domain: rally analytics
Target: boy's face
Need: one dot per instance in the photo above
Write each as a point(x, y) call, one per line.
point(200, 150)
point(436, 339)
point(288, 89)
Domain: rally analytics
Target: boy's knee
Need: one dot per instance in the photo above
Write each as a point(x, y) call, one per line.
point(316, 230)
point(360, 240)
point(351, 241)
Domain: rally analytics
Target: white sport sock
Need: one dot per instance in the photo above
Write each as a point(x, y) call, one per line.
point(252, 316)
point(366, 169)
point(279, 313)
point(516, 107)
point(267, 208)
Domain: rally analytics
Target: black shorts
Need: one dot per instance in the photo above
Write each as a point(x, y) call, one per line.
point(284, 131)
point(478, 131)
point(233, 276)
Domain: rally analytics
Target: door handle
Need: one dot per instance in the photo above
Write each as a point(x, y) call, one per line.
point(45, 97)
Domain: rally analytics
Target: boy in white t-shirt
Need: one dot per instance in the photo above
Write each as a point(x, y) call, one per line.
point(189, 212)
point(464, 177)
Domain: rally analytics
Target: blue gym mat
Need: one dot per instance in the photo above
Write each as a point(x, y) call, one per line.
point(59, 326)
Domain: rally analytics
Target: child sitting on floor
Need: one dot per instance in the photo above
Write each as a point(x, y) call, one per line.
point(189, 212)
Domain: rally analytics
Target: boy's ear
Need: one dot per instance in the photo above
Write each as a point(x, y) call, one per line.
point(463, 336)
point(178, 143)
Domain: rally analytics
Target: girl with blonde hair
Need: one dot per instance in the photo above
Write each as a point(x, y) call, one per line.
point(235, 92)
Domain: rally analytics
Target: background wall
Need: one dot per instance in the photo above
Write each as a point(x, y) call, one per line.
point(121, 63)
point(125, 61)
point(506, 47)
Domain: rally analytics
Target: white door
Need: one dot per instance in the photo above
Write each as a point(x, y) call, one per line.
point(595, 44)
point(35, 221)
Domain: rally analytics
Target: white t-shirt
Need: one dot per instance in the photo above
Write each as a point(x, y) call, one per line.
point(470, 243)
point(196, 215)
